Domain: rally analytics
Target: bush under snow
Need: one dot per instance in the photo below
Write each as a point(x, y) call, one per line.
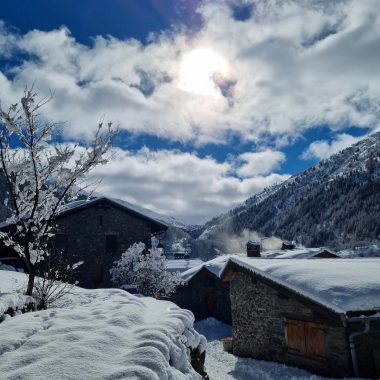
point(145, 270)
point(100, 334)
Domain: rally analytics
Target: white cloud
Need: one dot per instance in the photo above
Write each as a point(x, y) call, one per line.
point(259, 162)
point(180, 184)
point(294, 64)
point(322, 149)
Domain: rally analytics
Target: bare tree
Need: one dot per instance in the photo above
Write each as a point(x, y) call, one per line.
point(41, 175)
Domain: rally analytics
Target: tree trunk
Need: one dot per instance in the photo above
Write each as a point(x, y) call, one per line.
point(32, 275)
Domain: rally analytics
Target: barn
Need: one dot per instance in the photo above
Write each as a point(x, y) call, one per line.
point(321, 315)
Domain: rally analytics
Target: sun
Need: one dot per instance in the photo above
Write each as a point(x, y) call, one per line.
point(198, 72)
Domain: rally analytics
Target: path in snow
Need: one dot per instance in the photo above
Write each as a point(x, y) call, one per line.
point(221, 365)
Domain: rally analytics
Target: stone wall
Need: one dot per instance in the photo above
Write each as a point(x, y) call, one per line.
point(259, 314)
point(86, 232)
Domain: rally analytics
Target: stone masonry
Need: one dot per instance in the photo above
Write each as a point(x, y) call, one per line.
point(259, 314)
point(86, 231)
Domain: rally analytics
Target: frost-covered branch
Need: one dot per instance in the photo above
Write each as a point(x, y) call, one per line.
point(41, 174)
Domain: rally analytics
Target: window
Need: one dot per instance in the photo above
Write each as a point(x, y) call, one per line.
point(60, 243)
point(111, 243)
point(306, 338)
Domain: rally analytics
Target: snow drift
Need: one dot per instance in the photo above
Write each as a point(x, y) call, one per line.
point(100, 334)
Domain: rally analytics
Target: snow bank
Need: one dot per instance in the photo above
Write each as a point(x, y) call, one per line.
point(16, 302)
point(100, 334)
point(12, 281)
point(340, 284)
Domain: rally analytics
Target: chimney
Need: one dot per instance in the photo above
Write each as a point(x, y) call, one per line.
point(288, 245)
point(253, 248)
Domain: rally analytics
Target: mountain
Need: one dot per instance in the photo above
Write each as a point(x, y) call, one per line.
point(335, 203)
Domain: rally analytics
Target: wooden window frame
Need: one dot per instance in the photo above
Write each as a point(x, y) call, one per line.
point(306, 339)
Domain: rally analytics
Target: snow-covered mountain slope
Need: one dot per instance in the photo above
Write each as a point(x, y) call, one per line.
point(335, 203)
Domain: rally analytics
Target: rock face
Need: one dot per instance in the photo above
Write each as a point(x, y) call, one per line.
point(335, 203)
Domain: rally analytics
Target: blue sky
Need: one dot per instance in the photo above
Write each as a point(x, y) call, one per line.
point(215, 100)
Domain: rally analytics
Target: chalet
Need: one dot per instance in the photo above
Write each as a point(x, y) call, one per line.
point(97, 232)
point(204, 293)
point(321, 315)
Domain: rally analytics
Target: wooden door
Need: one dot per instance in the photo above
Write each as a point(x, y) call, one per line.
point(296, 336)
point(306, 338)
point(315, 340)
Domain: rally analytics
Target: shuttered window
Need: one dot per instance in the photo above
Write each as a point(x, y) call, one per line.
point(306, 338)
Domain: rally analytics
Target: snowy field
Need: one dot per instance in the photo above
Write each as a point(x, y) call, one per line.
point(221, 365)
point(97, 334)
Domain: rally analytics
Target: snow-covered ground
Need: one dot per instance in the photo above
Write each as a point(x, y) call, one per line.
point(221, 365)
point(97, 334)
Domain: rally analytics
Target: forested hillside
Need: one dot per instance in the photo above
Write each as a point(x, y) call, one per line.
point(335, 203)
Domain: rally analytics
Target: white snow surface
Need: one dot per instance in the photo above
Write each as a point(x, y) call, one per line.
point(298, 253)
point(15, 301)
point(214, 266)
point(98, 334)
point(221, 365)
point(340, 284)
point(12, 281)
point(182, 265)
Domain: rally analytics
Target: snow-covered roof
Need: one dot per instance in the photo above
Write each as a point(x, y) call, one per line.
point(98, 334)
point(214, 266)
point(182, 265)
point(341, 285)
point(151, 215)
point(298, 253)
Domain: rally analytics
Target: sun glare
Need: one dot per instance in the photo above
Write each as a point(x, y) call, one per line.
point(198, 72)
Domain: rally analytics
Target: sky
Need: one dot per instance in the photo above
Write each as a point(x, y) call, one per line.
point(214, 100)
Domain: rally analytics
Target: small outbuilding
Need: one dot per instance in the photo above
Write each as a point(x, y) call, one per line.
point(321, 315)
point(204, 293)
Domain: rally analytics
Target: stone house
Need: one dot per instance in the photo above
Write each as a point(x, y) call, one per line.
point(204, 293)
point(321, 315)
point(97, 232)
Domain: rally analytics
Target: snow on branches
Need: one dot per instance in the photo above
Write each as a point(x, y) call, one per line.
point(146, 270)
point(41, 175)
